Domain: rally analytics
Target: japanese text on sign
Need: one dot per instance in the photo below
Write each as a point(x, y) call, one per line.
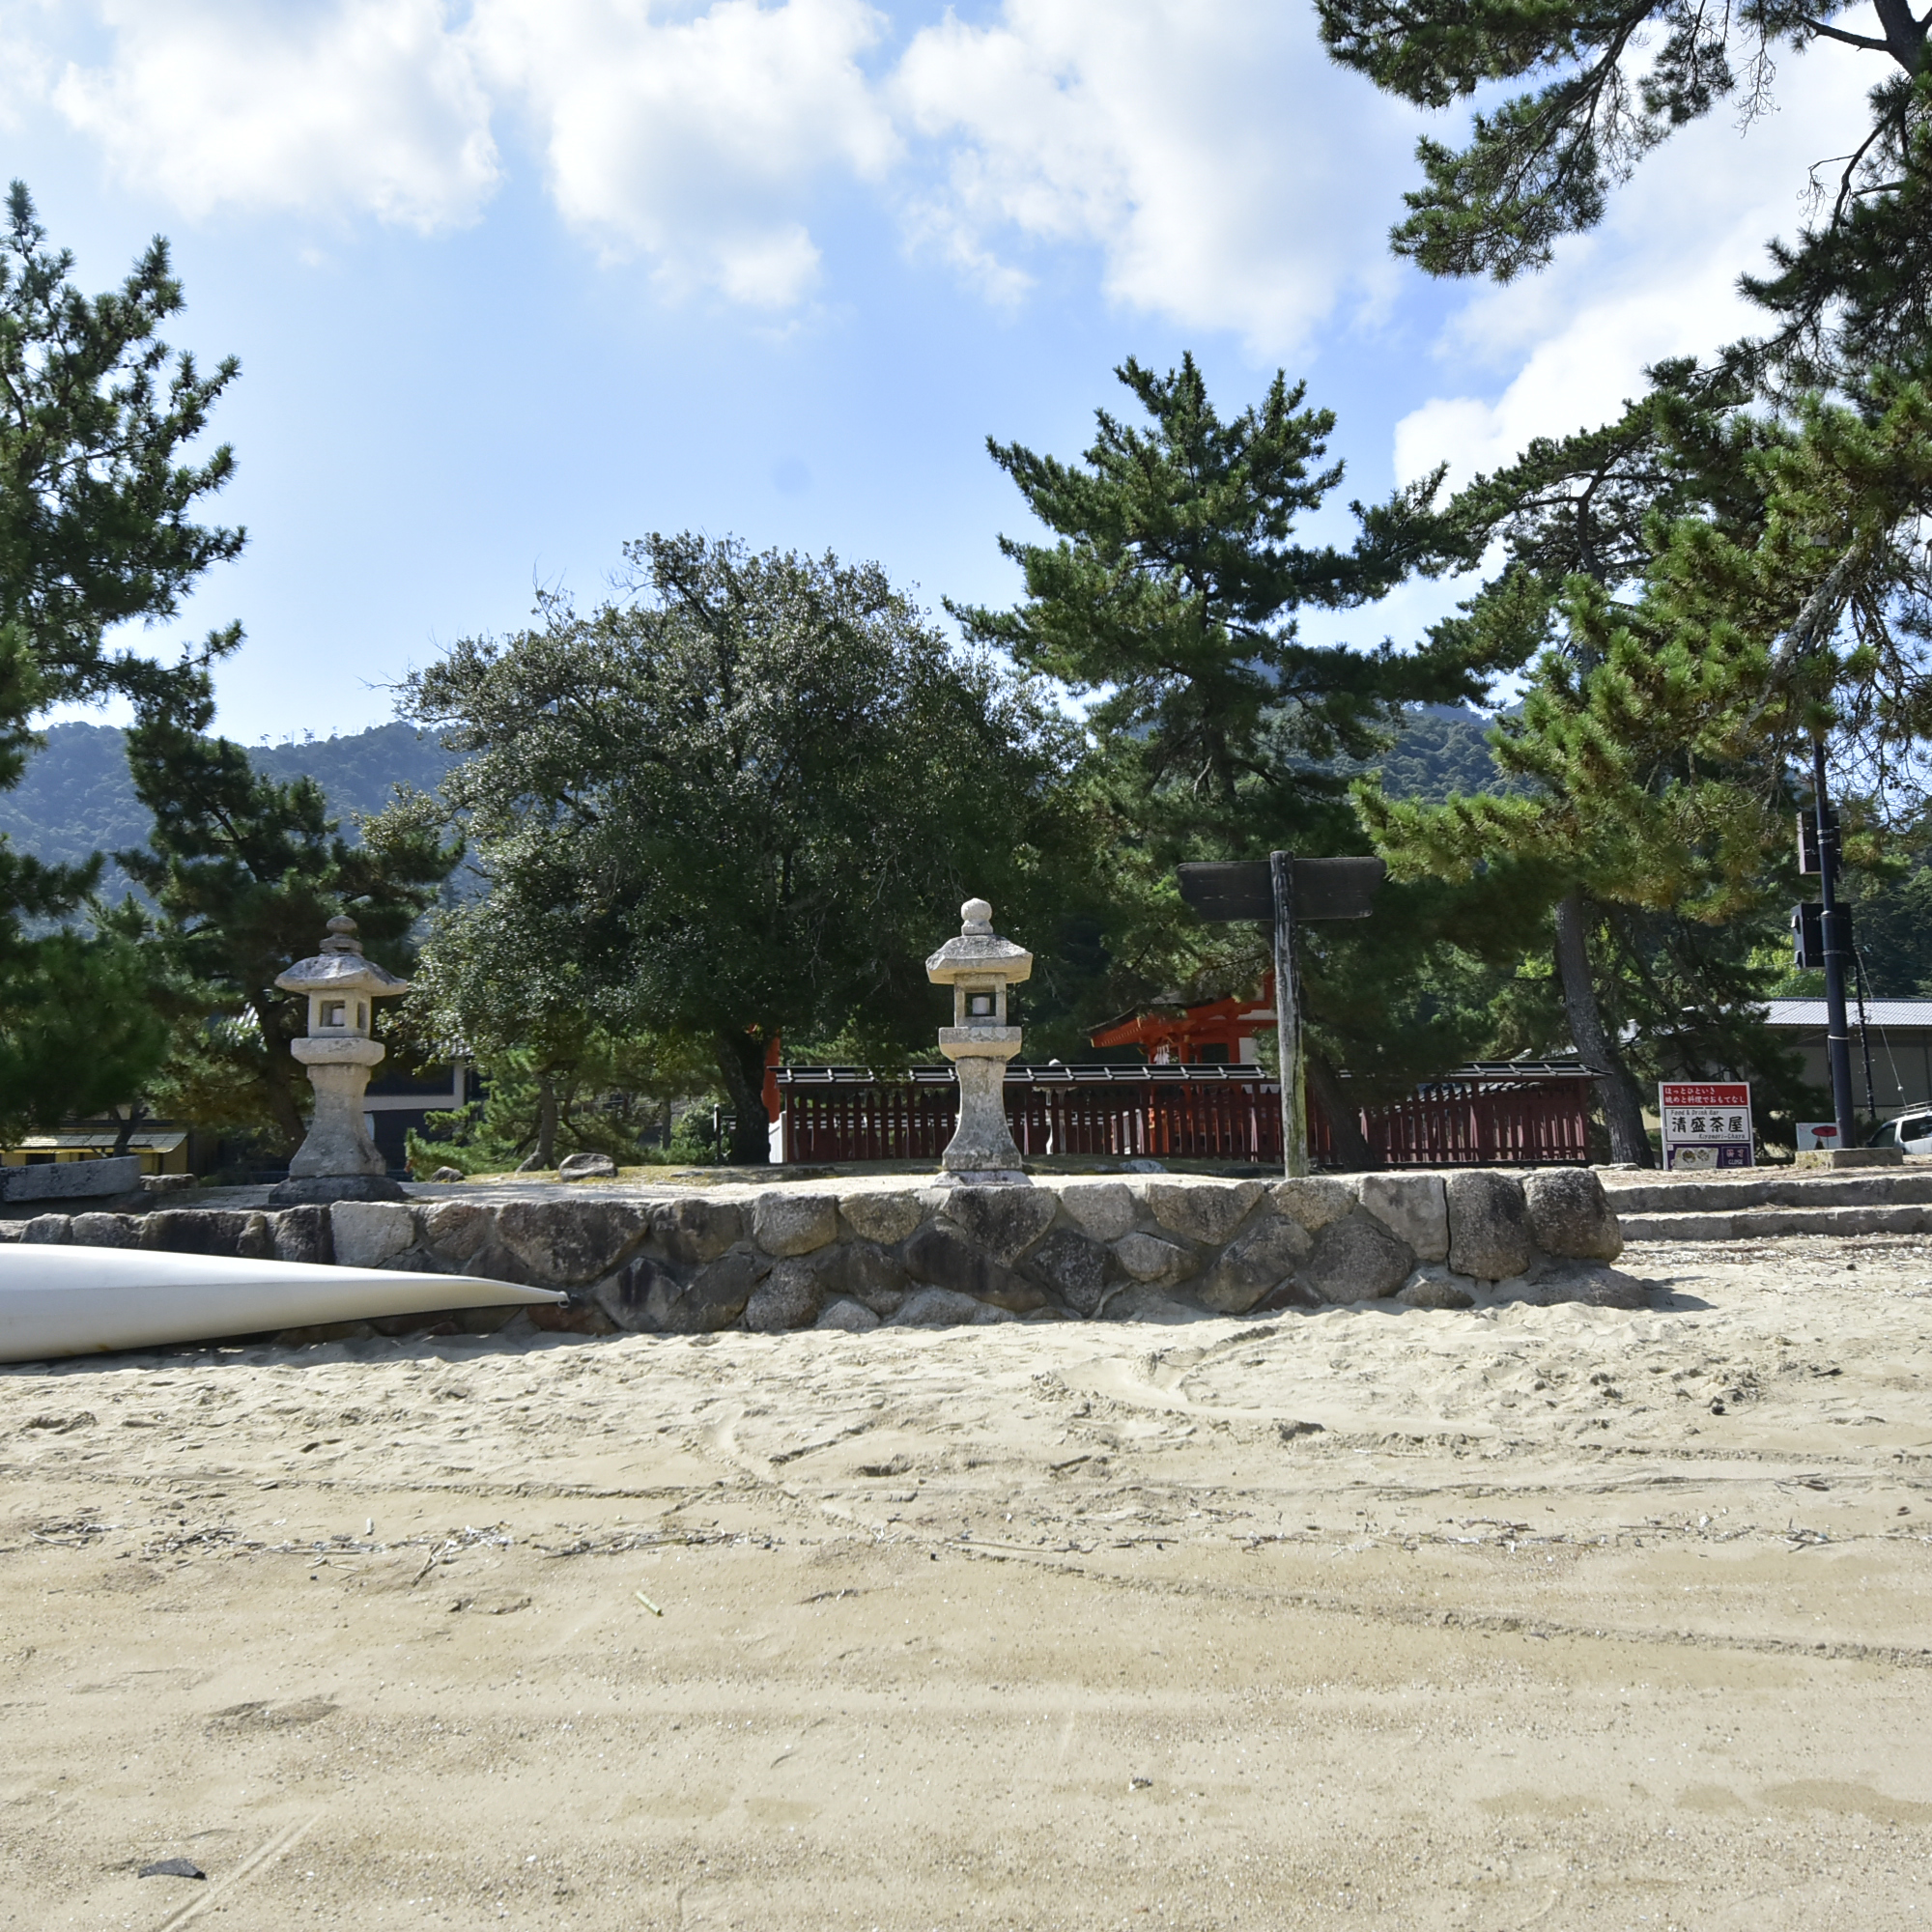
point(1706, 1123)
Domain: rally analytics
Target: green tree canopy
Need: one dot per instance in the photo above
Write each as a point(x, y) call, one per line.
point(743, 801)
point(96, 529)
point(1593, 506)
point(1617, 79)
point(1665, 737)
point(1172, 588)
point(96, 502)
point(245, 872)
point(1171, 592)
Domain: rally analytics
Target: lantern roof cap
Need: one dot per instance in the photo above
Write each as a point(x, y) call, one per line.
point(340, 967)
point(978, 953)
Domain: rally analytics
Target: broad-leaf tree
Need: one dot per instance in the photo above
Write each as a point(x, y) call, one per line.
point(742, 802)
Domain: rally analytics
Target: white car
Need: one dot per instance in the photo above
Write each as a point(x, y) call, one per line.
point(1912, 1131)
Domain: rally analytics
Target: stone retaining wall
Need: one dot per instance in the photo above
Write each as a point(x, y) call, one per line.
point(855, 1256)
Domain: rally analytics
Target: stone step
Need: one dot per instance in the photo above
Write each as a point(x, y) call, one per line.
point(1756, 1223)
point(1882, 1187)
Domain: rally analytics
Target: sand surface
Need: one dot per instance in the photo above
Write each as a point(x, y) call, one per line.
point(1525, 1617)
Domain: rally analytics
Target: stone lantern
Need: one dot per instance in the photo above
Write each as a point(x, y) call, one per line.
point(338, 1161)
point(979, 966)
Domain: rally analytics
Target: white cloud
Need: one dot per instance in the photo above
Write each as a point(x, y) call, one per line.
point(1229, 175)
point(1226, 175)
point(24, 71)
point(358, 105)
point(1658, 279)
point(697, 143)
point(1220, 170)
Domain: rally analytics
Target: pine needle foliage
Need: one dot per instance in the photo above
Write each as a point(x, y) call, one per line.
point(245, 872)
point(97, 504)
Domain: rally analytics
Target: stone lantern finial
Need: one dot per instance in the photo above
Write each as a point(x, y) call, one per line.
point(981, 966)
point(338, 1161)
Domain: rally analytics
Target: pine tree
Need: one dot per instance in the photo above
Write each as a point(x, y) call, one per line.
point(96, 530)
point(1665, 739)
point(561, 1094)
point(1590, 506)
point(1853, 291)
point(1543, 165)
point(245, 872)
point(1173, 588)
point(1851, 294)
point(1171, 592)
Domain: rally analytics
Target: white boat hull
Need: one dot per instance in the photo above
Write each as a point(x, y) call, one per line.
point(82, 1301)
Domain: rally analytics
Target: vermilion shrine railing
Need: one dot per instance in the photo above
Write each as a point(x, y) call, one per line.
point(1509, 1113)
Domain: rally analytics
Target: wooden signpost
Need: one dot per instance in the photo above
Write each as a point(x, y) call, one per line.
point(1279, 891)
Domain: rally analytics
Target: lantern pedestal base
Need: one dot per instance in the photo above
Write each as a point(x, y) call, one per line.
point(338, 1145)
point(996, 1177)
point(982, 1143)
point(319, 1189)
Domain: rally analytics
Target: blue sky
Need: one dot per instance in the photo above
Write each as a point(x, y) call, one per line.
point(515, 280)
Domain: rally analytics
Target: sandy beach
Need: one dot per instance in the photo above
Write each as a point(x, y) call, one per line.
point(1521, 1616)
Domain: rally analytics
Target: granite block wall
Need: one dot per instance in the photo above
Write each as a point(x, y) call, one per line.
point(857, 1256)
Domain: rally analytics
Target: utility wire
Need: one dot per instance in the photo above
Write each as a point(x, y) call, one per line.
point(1885, 1039)
point(1864, 1033)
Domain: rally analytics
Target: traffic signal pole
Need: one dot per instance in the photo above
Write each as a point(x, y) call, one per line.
point(1837, 1032)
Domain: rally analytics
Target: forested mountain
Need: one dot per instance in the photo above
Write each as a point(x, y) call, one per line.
point(77, 798)
point(1443, 749)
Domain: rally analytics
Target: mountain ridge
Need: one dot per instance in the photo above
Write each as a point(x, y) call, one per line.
point(76, 796)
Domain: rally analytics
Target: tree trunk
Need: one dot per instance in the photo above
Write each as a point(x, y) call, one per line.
point(741, 1063)
point(546, 1121)
point(136, 1113)
point(286, 1108)
point(286, 1079)
point(1623, 1109)
point(1352, 1153)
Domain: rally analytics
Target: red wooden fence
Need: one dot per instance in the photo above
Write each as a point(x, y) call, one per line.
point(1509, 1113)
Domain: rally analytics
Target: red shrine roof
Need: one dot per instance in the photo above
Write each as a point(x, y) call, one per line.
point(1181, 1032)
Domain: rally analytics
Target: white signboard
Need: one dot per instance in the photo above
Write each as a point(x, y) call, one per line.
point(1706, 1123)
point(1814, 1134)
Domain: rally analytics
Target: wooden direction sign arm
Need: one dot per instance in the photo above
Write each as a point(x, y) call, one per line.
point(1280, 889)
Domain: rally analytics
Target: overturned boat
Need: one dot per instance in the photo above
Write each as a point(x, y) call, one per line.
point(61, 1301)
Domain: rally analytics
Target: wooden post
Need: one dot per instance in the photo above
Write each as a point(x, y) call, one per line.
point(1288, 1021)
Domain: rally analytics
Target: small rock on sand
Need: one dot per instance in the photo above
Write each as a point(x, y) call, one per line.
point(852, 1316)
point(1435, 1290)
point(1592, 1284)
point(947, 1308)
